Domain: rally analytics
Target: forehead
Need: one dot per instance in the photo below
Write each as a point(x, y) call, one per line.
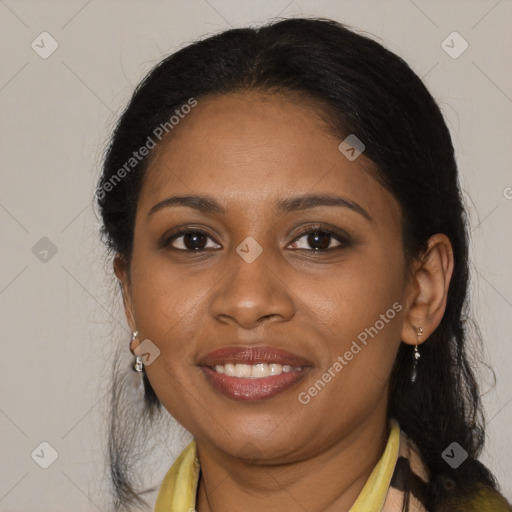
point(255, 148)
point(241, 129)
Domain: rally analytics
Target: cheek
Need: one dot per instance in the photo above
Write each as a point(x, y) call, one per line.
point(169, 311)
point(353, 377)
point(162, 296)
point(356, 295)
point(360, 316)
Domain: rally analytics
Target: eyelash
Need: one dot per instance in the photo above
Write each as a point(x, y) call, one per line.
point(340, 237)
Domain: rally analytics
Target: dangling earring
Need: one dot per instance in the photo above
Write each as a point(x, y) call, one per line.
point(137, 366)
point(417, 355)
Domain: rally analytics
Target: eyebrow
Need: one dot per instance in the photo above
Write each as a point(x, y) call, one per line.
point(208, 204)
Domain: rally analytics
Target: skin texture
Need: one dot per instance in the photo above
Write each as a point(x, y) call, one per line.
point(249, 150)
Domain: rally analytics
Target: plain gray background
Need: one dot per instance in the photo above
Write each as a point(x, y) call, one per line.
point(60, 311)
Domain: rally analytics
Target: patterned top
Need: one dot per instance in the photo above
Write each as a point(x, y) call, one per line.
point(384, 489)
point(399, 478)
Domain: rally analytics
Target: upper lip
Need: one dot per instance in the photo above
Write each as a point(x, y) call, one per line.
point(253, 355)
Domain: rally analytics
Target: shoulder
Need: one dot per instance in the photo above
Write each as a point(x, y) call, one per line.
point(481, 500)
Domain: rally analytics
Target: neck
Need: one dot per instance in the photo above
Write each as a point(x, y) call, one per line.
point(329, 482)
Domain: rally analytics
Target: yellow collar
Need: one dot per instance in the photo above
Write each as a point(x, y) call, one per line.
point(179, 487)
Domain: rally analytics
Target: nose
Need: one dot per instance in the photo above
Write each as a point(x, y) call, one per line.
point(251, 294)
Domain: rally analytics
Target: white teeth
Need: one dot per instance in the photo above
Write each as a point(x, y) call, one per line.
point(260, 370)
point(229, 369)
point(243, 370)
point(254, 371)
point(275, 369)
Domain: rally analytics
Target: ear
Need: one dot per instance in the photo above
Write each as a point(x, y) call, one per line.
point(122, 271)
point(427, 291)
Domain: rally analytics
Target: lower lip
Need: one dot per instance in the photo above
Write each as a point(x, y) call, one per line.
point(245, 389)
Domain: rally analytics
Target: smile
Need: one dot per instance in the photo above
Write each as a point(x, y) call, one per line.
point(253, 373)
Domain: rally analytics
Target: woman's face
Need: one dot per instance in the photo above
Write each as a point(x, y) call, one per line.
point(260, 282)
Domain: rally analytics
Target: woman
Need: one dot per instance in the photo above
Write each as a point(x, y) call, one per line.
point(291, 244)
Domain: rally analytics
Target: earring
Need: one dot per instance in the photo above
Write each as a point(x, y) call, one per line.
point(417, 355)
point(137, 366)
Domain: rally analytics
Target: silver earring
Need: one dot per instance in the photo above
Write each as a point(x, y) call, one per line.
point(137, 366)
point(417, 355)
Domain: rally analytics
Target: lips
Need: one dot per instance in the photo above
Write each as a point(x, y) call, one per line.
point(253, 355)
point(253, 389)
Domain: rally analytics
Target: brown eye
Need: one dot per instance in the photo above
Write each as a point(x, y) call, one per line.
point(321, 240)
point(192, 240)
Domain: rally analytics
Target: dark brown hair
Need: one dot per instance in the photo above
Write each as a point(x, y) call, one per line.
point(373, 93)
